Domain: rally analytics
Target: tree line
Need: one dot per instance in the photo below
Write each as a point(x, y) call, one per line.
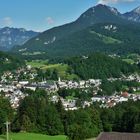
point(37, 114)
point(9, 62)
point(100, 66)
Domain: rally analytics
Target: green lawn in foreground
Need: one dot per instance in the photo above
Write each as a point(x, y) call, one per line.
point(31, 136)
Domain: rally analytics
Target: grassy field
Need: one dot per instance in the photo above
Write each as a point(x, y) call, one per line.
point(61, 68)
point(106, 39)
point(38, 63)
point(130, 61)
point(31, 136)
point(43, 64)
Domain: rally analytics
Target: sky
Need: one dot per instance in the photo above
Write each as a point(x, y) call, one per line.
point(40, 15)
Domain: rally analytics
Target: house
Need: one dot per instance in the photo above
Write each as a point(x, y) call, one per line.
point(30, 87)
point(96, 99)
point(118, 136)
point(125, 94)
point(82, 83)
point(23, 83)
point(69, 104)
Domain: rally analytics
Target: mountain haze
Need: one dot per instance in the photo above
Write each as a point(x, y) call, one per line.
point(10, 37)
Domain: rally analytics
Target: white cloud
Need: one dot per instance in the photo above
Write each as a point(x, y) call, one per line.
point(113, 1)
point(49, 20)
point(6, 21)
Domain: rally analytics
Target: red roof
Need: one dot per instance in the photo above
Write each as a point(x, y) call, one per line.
point(125, 94)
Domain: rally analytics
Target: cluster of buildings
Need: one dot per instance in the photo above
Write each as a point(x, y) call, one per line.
point(13, 93)
point(132, 77)
point(104, 101)
point(111, 101)
point(11, 87)
point(18, 75)
point(80, 84)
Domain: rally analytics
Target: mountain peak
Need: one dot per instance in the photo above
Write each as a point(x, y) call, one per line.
point(133, 15)
point(137, 10)
point(102, 9)
point(101, 5)
point(98, 14)
point(111, 9)
point(114, 10)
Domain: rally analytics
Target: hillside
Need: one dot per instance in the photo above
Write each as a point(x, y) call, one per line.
point(8, 62)
point(103, 37)
point(48, 40)
point(110, 38)
point(100, 66)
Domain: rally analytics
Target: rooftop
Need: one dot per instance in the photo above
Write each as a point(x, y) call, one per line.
point(118, 136)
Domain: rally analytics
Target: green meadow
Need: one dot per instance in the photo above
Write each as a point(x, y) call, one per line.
point(129, 61)
point(61, 68)
point(32, 136)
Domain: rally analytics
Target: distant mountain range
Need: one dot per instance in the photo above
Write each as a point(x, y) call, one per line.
point(134, 15)
point(10, 37)
point(100, 28)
